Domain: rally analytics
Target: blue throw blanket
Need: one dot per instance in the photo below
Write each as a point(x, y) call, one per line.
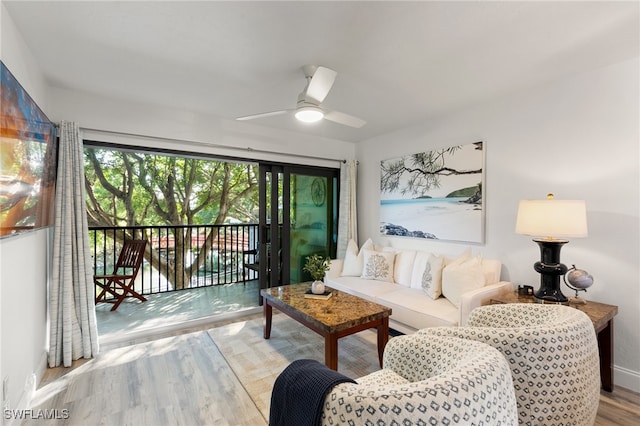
point(299, 391)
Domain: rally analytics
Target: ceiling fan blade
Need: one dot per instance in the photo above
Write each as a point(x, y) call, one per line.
point(346, 119)
point(320, 84)
point(262, 115)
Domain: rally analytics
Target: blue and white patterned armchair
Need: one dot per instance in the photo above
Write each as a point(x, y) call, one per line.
point(428, 380)
point(553, 354)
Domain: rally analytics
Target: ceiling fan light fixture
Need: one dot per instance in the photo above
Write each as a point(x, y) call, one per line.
point(309, 114)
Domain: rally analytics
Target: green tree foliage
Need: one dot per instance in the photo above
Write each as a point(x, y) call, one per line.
point(139, 189)
point(416, 174)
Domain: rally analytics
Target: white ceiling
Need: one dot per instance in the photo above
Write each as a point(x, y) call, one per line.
point(398, 63)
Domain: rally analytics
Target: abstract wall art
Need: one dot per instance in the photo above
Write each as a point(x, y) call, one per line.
point(28, 158)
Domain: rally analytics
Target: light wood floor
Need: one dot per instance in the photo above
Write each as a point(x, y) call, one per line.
point(174, 379)
point(178, 378)
point(620, 407)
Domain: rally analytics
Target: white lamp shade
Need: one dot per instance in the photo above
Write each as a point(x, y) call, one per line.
point(309, 114)
point(552, 218)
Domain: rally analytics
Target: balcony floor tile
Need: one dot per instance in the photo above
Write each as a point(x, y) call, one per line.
point(176, 310)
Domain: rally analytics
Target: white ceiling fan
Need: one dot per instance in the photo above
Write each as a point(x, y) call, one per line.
point(309, 107)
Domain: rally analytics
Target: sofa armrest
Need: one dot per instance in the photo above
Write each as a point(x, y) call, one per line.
point(335, 268)
point(481, 296)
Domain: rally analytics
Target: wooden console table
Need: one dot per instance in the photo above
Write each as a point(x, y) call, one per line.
point(602, 317)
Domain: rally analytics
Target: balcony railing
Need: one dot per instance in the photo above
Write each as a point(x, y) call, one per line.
point(180, 257)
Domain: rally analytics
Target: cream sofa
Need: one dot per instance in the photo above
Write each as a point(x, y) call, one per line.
point(422, 289)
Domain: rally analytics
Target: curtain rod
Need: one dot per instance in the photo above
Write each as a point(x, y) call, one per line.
point(213, 145)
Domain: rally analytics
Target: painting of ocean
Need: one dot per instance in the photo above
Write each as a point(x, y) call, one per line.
point(456, 220)
point(434, 195)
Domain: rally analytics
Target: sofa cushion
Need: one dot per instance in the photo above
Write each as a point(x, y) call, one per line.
point(461, 276)
point(403, 268)
point(367, 289)
point(378, 265)
point(427, 274)
point(412, 306)
point(353, 260)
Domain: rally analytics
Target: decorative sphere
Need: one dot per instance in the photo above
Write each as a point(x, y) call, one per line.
point(579, 278)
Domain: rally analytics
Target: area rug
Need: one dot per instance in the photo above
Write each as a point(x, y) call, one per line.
point(257, 362)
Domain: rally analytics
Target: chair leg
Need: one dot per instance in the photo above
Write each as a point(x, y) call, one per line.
point(127, 291)
point(118, 302)
point(105, 287)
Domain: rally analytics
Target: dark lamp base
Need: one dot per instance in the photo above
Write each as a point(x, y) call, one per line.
point(556, 298)
point(550, 270)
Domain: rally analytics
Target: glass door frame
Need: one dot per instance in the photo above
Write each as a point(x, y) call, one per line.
point(276, 268)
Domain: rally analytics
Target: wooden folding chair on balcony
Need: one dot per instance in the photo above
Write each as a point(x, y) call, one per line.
point(117, 286)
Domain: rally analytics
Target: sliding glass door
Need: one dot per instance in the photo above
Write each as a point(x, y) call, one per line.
point(298, 217)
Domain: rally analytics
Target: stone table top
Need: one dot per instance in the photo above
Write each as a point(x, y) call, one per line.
point(341, 311)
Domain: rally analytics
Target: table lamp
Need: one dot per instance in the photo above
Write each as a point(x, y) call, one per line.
point(549, 221)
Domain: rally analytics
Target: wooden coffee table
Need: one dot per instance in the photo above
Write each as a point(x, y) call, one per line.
point(341, 315)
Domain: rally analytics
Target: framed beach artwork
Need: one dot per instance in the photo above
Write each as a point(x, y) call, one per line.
point(435, 194)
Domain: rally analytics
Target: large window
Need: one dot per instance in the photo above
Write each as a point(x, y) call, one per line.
point(208, 221)
point(198, 214)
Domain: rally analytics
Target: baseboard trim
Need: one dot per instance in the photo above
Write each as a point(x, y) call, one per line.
point(626, 378)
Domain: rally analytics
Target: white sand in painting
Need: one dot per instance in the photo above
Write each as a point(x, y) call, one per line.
point(445, 219)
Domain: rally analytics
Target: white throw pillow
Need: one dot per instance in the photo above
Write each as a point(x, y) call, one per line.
point(466, 254)
point(460, 276)
point(378, 265)
point(354, 260)
point(427, 274)
point(403, 269)
point(491, 268)
point(419, 263)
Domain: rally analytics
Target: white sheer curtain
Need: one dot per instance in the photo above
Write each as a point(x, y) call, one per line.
point(73, 331)
point(348, 220)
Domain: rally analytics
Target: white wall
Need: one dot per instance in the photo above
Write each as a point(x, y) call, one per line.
point(192, 131)
point(578, 138)
point(23, 258)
